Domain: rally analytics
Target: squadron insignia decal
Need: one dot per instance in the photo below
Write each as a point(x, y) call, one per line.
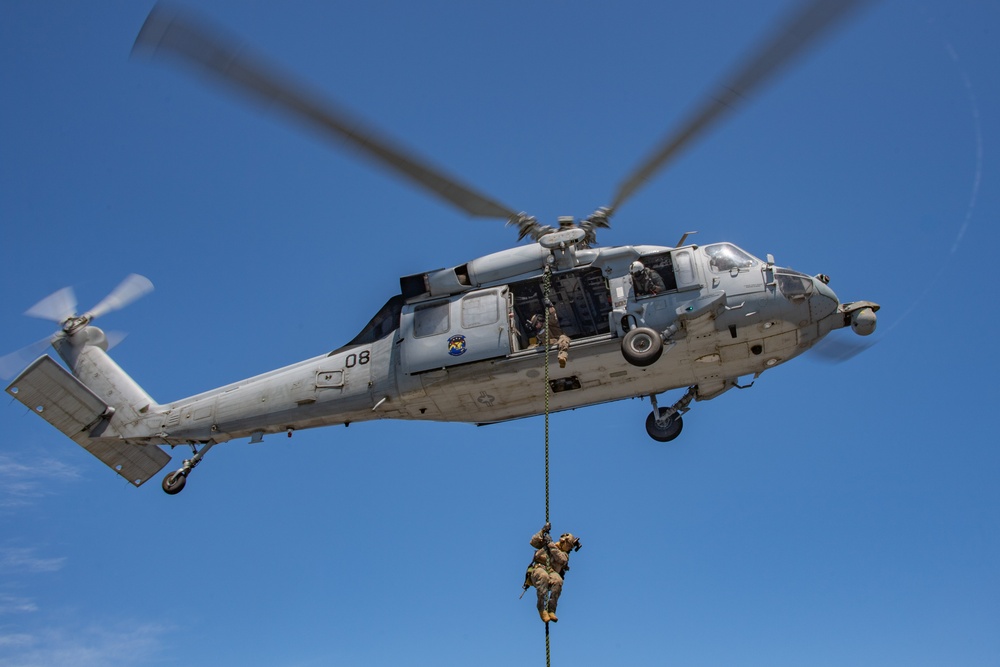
point(456, 346)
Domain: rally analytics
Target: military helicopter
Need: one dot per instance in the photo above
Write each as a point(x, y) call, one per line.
point(467, 343)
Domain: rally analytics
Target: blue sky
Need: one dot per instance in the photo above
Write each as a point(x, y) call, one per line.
point(830, 515)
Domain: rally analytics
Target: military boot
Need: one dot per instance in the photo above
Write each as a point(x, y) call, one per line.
point(544, 614)
point(552, 617)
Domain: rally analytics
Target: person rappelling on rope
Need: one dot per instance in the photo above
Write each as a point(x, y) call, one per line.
point(547, 569)
point(537, 324)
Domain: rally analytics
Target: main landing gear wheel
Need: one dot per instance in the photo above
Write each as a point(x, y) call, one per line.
point(642, 346)
point(670, 429)
point(174, 482)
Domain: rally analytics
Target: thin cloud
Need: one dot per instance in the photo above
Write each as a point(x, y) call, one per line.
point(24, 560)
point(121, 645)
point(15, 605)
point(21, 484)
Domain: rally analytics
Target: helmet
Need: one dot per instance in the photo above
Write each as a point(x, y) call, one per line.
point(636, 267)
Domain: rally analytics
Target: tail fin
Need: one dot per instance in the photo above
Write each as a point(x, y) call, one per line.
point(105, 416)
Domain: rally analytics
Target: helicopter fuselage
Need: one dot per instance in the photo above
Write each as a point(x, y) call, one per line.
point(474, 344)
point(455, 347)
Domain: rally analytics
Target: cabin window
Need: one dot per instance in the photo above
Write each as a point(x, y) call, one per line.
point(431, 320)
point(480, 309)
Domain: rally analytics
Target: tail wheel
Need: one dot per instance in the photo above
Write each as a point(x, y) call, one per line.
point(642, 346)
point(174, 482)
point(670, 429)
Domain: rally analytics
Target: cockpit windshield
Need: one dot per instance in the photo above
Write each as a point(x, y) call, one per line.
point(724, 257)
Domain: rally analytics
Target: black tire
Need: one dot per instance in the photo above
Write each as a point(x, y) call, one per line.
point(642, 346)
point(667, 433)
point(174, 482)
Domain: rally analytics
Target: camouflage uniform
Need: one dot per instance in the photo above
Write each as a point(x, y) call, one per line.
point(555, 333)
point(545, 573)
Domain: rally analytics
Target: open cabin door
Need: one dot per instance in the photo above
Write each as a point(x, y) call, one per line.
point(455, 330)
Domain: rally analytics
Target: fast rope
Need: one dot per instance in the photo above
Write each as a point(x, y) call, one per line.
point(546, 283)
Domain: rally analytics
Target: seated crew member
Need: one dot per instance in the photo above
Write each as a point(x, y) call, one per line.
point(645, 281)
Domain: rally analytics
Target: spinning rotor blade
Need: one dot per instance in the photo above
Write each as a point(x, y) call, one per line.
point(130, 289)
point(803, 28)
point(835, 351)
point(13, 363)
point(170, 33)
point(56, 307)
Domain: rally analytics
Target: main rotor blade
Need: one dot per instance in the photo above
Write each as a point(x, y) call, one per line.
point(56, 307)
point(803, 28)
point(836, 351)
point(130, 289)
point(170, 33)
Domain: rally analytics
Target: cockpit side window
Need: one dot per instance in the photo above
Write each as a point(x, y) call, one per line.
point(794, 285)
point(724, 257)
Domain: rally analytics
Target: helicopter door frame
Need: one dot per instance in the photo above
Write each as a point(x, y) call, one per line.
point(460, 329)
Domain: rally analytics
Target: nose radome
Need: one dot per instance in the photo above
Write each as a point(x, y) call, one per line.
point(825, 290)
point(824, 300)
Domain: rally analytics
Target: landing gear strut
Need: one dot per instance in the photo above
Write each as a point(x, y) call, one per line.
point(665, 424)
point(174, 482)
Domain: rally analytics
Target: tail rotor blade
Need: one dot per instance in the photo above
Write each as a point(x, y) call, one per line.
point(13, 363)
point(115, 338)
point(56, 307)
point(130, 289)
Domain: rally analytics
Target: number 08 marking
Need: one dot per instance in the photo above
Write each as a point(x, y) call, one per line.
point(353, 360)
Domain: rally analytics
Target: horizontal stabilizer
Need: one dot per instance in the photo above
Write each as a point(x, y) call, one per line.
point(52, 392)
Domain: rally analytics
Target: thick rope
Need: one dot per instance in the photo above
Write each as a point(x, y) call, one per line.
point(545, 300)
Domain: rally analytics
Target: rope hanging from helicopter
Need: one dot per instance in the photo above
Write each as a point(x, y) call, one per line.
point(546, 289)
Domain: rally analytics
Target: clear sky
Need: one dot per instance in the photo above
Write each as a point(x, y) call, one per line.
point(831, 515)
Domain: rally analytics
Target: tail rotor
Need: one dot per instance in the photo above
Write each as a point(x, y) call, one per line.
point(60, 307)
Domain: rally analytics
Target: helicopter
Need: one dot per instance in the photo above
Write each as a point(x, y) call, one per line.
point(469, 343)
